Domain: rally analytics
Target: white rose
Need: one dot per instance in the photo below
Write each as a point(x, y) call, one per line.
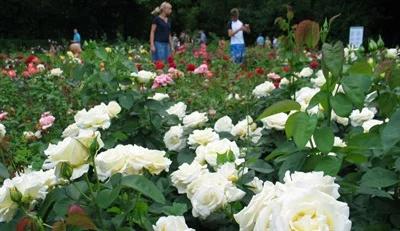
point(8, 208)
point(304, 96)
point(276, 121)
point(310, 180)
point(220, 147)
point(230, 172)
point(263, 89)
point(3, 130)
point(152, 160)
point(340, 120)
point(194, 120)
point(111, 161)
point(159, 96)
point(357, 118)
point(144, 76)
point(306, 72)
point(71, 131)
point(56, 72)
point(30, 186)
point(284, 82)
point(224, 124)
point(113, 109)
point(367, 125)
point(320, 80)
point(174, 138)
point(201, 155)
point(186, 174)
point(171, 223)
point(97, 117)
point(308, 209)
point(338, 142)
point(256, 185)
point(391, 53)
point(242, 128)
point(179, 109)
point(40, 67)
point(249, 215)
point(202, 137)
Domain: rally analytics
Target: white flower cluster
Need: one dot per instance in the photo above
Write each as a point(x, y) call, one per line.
point(364, 118)
point(3, 130)
point(263, 89)
point(305, 201)
point(144, 76)
point(130, 160)
point(27, 188)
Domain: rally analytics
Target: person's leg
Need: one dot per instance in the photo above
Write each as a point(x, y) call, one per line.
point(154, 55)
point(242, 52)
point(234, 53)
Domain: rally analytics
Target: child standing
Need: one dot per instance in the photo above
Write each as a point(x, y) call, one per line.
point(235, 32)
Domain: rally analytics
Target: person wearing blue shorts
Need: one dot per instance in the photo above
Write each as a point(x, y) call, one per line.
point(235, 32)
point(160, 33)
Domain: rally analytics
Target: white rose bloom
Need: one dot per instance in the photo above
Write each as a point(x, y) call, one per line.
point(230, 172)
point(263, 89)
point(174, 138)
point(310, 180)
point(338, 142)
point(41, 67)
point(159, 96)
point(256, 185)
point(210, 192)
point(8, 208)
point(244, 127)
point(219, 147)
point(71, 131)
point(350, 54)
point(96, 117)
point(144, 76)
point(391, 53)
point(201, 155)
point(56, 72)
point(284, 82)
point(3, 130)
point(304, 96)
point(179, 109)
point(249, 215)
point(202, 137)
point(194, 120)
point(306, 72)
point(171, 223)
point(29, 185)
point(340, 120)
point(113, 109)
point(308, 209)
point(74, 151)
point(276, 121)
point(224, 124)
point(111, 162)
point(320, 80)
point(357, 118)
point(153, 160)
point(186, 174)
point(367, 125)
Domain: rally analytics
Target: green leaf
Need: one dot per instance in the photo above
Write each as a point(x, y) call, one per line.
point(333, 59)
point(293, 162)
point(390, 135)
point(324, 139)
point(341, 105)
point(357, 84)
point(4, 171)
point(300, 126)
point(177, 209)
point(107, 196)
point(261, 166)
point(361, 68)
point(374, 192)
point(329, 165)
point(322, 97)
point(278, 107)
point(126, 101)
point(379, 177)
point(284, 149)
point(144, 186)
point(225, 157)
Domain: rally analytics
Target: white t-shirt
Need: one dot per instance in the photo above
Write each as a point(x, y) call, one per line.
point(238, 37)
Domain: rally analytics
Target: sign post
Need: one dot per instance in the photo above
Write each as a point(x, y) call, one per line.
point(356, 36)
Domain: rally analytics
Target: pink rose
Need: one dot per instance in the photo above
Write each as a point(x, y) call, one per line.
point(3, 116)
point(46, 120)
point(202, 69)
point(162, 80)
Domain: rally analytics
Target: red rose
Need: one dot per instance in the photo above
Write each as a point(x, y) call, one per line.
point(259, 71)
point(250, 75)
point(190, 67)
point(159, 65)
point(314, 64)
point(170, 59)
point(286, 69)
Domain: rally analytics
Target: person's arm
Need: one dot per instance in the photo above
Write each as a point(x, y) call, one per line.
point(171, 43)
point(232, 32)
point(246, 28)
point(152, 31)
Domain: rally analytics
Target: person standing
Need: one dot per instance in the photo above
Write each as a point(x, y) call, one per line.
point(203, 37)
point(161, 41)
point(260, 40)
point(235, 32)
point(75, 46)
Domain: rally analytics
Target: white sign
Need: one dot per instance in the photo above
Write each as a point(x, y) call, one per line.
point(356, 36)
